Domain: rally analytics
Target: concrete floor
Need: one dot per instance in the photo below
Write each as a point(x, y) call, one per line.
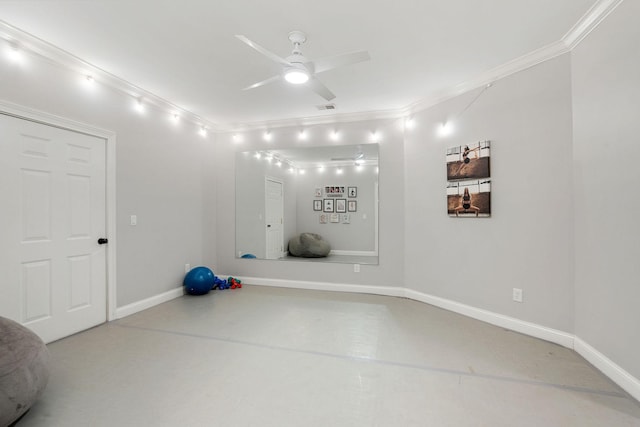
point(261, 356)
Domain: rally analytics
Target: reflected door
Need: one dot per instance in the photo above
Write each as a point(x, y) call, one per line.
point(274, 213)
point(52, 269)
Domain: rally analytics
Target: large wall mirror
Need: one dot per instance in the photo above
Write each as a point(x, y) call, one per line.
point(331, 191)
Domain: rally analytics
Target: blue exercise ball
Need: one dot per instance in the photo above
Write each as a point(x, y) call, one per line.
point(199, 281)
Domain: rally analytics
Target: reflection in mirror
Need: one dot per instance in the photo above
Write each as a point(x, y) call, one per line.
point(328, 191)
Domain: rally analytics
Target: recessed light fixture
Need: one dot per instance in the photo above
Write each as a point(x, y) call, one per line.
point(203, 131)
point(334, 135)
point(302, 135)
point(339, 171)
point(267, 136)
point(237, 137)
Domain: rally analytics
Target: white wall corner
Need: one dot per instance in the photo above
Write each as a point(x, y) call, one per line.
point(618, 375)
point(144, 304)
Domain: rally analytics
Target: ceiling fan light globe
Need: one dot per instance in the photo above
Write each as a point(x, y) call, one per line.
point(296, 76)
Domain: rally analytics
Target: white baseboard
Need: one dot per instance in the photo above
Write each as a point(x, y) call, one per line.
point(532, 329)
point(353, 253)
point(618, 375)
point(137, 306)
point(324, 286)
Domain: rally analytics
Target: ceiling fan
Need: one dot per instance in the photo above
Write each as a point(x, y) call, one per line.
point(296, 69)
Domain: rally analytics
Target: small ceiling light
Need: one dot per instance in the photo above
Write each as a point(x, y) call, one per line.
point(139, 105)
point(301, 171)
point(291, 169)
point(267, 136)
point(445, 128)
point(258, 155)
point(375, 136)
point(297, 74)
point(339, 171)
point(203, 131)
point(176, 117)
point(302, 135)
point(334, 135)
point(321, 168)
point(237, 137)
point(278, 163)
point(409, 123)
point(14, 53)
point(268, 158)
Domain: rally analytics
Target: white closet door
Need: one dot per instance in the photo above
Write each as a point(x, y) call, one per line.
point(52, 269)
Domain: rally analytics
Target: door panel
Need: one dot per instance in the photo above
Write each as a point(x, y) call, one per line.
point(54, 212)
point(274, 213)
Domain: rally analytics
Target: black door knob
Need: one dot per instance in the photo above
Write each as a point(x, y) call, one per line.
point(103, 241)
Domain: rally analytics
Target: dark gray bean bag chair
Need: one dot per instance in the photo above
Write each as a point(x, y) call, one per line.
point(24, 370)
point(309, 245)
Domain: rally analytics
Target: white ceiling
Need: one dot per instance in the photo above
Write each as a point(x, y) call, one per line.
point(185, 50)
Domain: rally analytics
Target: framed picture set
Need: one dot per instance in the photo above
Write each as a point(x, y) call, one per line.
point(317, 205)
point(352, 206)
point(341, 205)
point(352, 192)
point(327, 205)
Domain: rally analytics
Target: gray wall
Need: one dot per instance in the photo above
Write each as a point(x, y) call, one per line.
point(160, 170)
point(527, 242)
point(606, 107)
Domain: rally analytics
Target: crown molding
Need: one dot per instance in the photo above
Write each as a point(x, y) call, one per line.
point(594, 16)
point(61, 58)
point(591, 19)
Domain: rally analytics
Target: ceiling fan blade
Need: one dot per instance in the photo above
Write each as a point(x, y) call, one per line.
point(325, 64)
point(263, 51)
point(263, 82)
point(318, 87)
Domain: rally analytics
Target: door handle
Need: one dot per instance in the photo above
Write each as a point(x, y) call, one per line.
point(103, 241)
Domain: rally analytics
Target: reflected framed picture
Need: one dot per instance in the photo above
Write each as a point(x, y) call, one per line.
point(327, 205)
point(352, 192)
point(334, 217)
point(341, 205)
point(317, 205)
point(352, 206)
point(323, 218)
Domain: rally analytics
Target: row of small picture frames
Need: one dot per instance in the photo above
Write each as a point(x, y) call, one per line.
point(469, 180)
point(334, 206)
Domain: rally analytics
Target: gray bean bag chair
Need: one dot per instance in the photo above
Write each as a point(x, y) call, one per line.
point(24, 370)
point(309, 245)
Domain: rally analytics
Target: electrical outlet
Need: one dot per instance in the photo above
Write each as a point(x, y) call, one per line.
point(187, 268)
point(356, 268)
point(517, 295)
